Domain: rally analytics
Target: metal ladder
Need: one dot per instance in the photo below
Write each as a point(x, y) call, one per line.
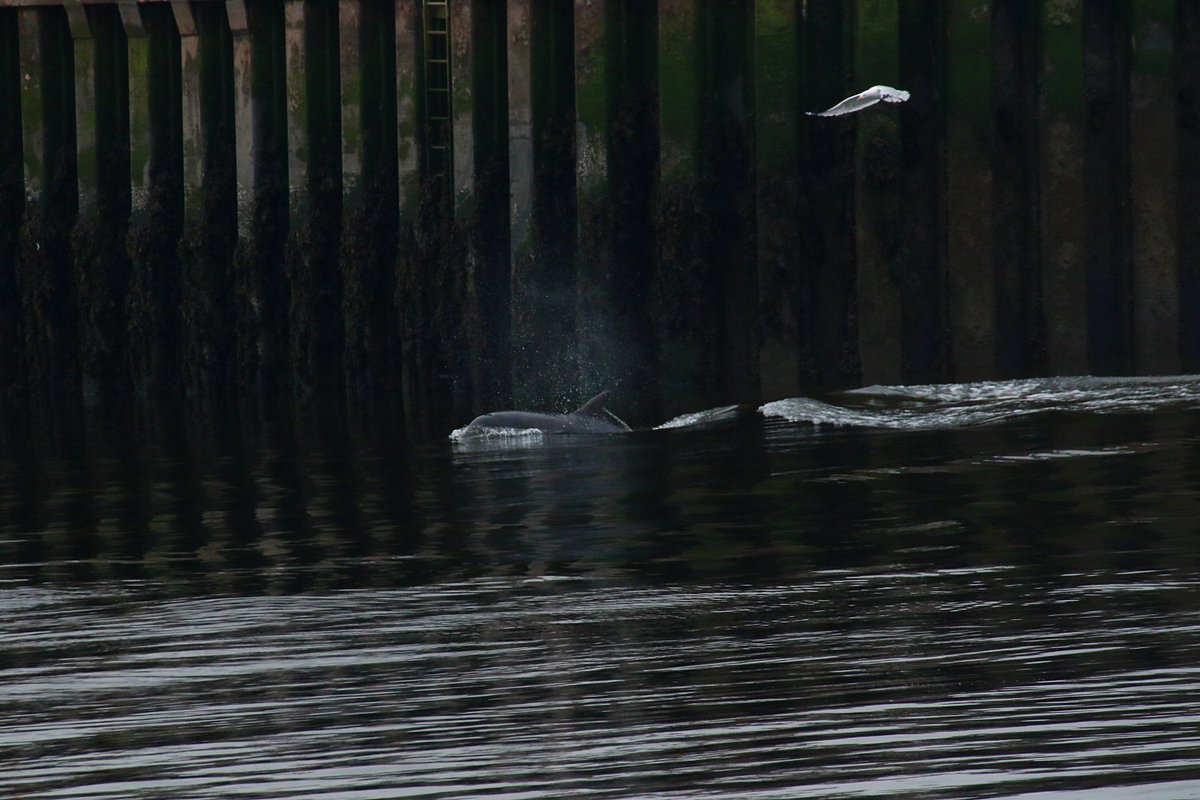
point(438, 141)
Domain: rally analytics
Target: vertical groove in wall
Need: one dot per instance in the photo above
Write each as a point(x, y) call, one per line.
point(489, 231)
point(157, 204)
point(595, 80)
point(98, 240)
point(633, 153)
point(921, 266)
point(545, 357)
point(368, 243)
point(1154, 199)
point(260, 283)
point(1019, 337)
point(210, 214)
point(12, 205)
point(519, 93)
point(413, 341)
point(1062, 217)
point(316, 329)
point(616, 155)
point(829, 286)
point(727, 166)
point(777, 119)
point(972, 252)
point(877, 193)
point(1187, 183)
point(682, 305)
point(1106, 184)
point(50, 313)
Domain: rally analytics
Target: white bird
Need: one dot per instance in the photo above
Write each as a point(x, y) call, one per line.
point(863, 100)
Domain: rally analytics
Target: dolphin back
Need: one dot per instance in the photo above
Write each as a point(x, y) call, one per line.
point(591, 417)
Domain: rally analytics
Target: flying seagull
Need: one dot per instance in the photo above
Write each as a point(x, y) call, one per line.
point(862, 100)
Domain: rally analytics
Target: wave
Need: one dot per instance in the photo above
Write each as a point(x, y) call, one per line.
point(957, 405)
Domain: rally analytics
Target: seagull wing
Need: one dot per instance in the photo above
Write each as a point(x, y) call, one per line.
point(864, 99)
point(848, 106)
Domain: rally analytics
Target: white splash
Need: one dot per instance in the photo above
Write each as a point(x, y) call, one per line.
point(699, 418)
point(482, 433)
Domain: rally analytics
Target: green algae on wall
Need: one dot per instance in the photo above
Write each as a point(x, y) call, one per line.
point(1020, 340)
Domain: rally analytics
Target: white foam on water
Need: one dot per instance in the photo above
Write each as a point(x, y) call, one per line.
point(957, 405)
point(483, 433)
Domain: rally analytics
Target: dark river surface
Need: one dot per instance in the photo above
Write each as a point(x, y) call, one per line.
point(982, 590)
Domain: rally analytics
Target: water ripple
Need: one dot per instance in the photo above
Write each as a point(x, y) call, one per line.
point(501, 689)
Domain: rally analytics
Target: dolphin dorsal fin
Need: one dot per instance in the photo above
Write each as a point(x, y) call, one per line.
point(593, 407)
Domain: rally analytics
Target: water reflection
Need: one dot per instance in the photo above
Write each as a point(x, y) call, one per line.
point(285, 510)
point(755, 608)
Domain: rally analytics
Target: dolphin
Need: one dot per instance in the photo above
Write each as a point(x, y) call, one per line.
point(591, 417)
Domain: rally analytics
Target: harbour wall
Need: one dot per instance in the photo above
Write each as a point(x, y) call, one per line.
point(428, 209)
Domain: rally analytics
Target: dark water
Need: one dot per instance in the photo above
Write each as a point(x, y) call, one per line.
point(940, 592)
